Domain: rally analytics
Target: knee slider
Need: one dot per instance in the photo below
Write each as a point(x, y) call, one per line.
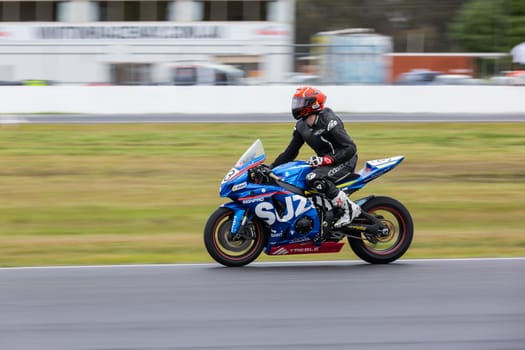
point(320, 185)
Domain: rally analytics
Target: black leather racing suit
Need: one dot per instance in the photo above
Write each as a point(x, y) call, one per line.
point(328, 137)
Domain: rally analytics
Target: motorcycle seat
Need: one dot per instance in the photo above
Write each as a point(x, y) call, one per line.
point(348, 178)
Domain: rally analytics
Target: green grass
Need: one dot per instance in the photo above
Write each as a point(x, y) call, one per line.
point(111, 194)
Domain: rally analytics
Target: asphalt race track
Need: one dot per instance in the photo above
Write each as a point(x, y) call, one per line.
point(249, 118)
point(471, 304)
point(407, 305)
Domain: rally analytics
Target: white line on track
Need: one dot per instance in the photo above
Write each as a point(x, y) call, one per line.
point(276, 263)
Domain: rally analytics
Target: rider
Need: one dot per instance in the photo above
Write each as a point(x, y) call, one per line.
point(336, 152)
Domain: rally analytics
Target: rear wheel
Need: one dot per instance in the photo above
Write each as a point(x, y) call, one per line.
point(390, 247)
point(233, 250)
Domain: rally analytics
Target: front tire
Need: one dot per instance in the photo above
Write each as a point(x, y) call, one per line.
point(228, 250)
point(396, 217)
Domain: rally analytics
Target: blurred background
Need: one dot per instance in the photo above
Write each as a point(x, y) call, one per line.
point(254, 42)
point(117, 193)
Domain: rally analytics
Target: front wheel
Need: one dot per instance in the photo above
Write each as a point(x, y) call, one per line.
point(391, 247)
point(233, 250)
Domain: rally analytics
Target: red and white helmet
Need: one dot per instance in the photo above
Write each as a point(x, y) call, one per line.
point(306, 101)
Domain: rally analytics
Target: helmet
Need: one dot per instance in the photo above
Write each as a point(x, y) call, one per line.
point(306, 101)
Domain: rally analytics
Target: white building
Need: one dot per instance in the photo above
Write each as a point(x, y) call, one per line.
point(132, 42)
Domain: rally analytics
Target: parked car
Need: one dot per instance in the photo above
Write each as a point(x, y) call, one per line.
point(205, 74)
point(417, 77)
point(501, 80)
point(456, 79)
point(301, 78)
point(518, 77)
point(7, 83)
point(28, 82)
point(37, 82)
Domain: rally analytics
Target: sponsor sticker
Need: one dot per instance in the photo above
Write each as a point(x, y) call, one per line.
point(239, 186)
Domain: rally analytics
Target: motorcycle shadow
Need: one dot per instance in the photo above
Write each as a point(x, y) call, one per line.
point(317, 266)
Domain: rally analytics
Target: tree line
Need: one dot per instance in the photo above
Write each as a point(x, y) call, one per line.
point(420, 25)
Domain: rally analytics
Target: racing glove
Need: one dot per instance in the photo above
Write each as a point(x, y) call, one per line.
point(316, 161)
point(260, 174)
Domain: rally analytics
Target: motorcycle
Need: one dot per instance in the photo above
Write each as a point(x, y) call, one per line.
point(273, 210)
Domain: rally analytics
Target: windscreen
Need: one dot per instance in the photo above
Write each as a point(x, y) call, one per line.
point(185, 76)
point(253, 154)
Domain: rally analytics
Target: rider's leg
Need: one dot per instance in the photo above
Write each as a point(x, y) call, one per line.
point(338, 198)
point(350, 209)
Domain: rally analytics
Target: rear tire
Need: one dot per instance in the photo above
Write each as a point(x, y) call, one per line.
point(397, 218)
point(228, 250)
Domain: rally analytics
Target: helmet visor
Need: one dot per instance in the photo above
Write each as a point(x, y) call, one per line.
point(300, 102)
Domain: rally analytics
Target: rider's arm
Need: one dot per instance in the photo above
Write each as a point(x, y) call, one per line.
point(345, 147)
point(291, 151)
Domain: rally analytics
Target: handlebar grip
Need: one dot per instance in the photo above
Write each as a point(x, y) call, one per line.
point(273, 176)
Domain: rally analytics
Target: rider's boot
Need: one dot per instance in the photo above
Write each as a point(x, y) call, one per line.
point(350, 209)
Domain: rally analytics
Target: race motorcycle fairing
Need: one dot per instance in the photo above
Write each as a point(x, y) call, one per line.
point(273, 210)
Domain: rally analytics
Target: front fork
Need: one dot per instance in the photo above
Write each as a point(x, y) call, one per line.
point(239, 230)
point(239, 215)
